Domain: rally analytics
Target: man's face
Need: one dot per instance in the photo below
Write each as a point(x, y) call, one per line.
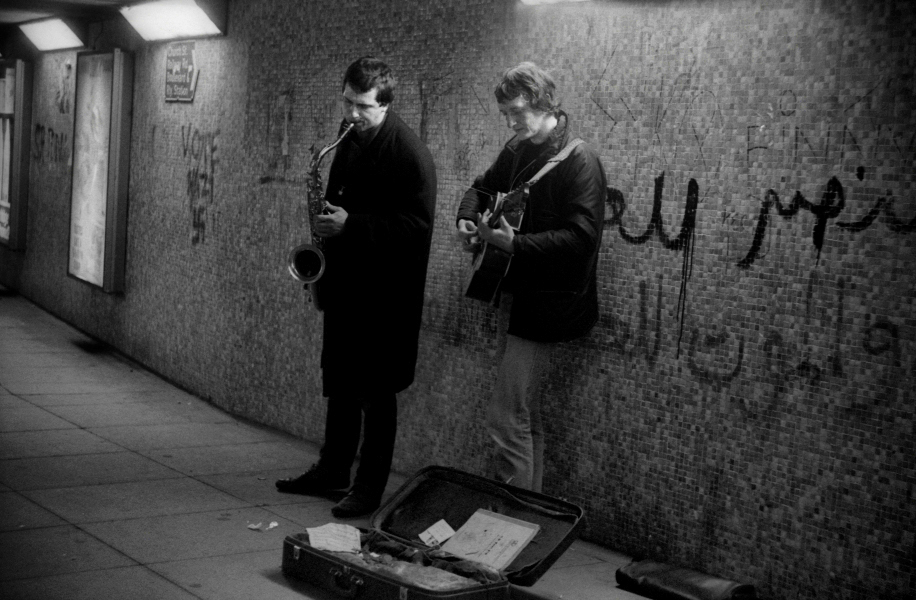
point(363, 109)
point(526, 122)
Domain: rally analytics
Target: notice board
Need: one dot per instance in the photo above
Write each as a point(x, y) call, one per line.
point(180, 72)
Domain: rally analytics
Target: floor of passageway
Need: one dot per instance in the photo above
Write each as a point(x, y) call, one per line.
point(116, 484)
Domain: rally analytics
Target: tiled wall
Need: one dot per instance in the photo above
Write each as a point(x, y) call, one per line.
point(745, 405)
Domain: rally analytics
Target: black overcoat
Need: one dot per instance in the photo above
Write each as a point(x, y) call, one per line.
point(372, 289)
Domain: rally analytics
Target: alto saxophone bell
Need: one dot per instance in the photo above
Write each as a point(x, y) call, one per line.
point(306, 263)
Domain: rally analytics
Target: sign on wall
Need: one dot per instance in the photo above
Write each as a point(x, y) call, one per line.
point(180, 73)
point(101, 144)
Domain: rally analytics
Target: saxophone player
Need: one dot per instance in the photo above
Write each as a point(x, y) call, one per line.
point(381, 200)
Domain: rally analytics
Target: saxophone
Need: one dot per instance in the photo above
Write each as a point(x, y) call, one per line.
point(306, 261)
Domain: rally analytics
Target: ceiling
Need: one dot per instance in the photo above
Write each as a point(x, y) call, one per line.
point(19, 11)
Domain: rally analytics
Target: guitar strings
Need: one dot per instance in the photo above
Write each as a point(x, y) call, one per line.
point(483, 191)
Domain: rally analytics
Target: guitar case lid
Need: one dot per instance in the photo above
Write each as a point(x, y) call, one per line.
point(436, 493)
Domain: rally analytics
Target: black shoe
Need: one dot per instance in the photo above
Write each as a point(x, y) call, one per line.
point(357, 503)
point(317, 480)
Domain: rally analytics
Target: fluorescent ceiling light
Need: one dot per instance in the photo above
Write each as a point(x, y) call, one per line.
point(51, 34)
point(169, 20)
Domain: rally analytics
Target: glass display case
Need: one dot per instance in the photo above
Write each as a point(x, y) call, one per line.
point(15, 126)
point(101, 148)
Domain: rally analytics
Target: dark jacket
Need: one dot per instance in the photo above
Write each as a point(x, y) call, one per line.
point(553, 273)
point(372, 289)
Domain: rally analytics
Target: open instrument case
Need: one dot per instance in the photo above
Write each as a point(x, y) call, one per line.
point(432, 494)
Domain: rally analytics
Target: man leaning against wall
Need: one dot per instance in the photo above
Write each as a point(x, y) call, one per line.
point(549, 293)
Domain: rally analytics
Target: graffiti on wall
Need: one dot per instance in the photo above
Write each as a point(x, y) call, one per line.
point(433, 88)
point(780, 137)
point(198, 148)
point(49, 146)
point(680, 120)
point(683, 242)
point(672, 130)
point(717, 355)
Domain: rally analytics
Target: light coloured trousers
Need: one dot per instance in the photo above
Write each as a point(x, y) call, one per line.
point(514, 416)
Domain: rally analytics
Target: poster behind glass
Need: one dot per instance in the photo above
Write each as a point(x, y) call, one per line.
point(7, 109)
point(92, 132)
point(15, 129)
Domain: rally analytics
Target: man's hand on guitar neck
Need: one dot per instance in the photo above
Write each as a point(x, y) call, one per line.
point(500, 236)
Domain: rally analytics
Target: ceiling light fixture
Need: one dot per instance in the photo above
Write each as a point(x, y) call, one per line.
point(51, 34)
point(176, 19)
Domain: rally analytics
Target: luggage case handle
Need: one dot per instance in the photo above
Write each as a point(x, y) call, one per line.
point(347, 584)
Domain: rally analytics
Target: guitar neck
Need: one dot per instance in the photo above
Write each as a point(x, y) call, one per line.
point(493, 221)
point(511, 205)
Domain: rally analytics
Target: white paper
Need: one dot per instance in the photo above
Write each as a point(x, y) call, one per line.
point(334, 537)
point(439, 532)
point(491, 539)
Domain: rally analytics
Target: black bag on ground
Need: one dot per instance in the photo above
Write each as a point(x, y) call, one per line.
point(666, 582)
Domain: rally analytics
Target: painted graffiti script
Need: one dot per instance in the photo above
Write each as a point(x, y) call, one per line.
point(49, 146)
point(199, 150)
point(682, 242)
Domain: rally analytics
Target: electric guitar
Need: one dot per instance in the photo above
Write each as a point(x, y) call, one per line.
point(490, 264)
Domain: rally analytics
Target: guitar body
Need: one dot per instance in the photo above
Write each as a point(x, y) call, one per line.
point(489, 267)
point(491, 264)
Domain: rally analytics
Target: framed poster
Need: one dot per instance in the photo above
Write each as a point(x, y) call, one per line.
point(180, 72)
point(101, 148)
point(15, 129)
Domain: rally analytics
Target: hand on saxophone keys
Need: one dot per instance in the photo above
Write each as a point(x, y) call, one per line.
point(331, 222)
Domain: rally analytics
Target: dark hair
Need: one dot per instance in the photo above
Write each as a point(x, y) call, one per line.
point(368, 72)
point(530, 82)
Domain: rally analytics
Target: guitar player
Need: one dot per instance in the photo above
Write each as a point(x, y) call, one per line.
point(549, 293)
